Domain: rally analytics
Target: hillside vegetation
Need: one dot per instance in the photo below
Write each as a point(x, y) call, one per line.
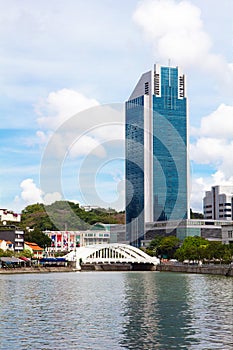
point(64, 215)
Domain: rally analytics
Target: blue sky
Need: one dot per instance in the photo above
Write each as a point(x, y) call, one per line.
point(59, 58)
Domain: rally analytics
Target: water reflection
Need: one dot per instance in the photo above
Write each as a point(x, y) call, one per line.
point(157, 311)
point(177, 311)
point(211, 303)
point(114, 311)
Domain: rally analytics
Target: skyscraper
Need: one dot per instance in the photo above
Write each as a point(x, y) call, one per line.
point(156, 151)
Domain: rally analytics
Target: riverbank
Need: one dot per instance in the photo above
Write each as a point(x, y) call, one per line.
point(40, 269)
point(224, 270)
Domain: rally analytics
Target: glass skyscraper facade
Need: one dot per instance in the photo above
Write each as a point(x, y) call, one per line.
point(156, 151)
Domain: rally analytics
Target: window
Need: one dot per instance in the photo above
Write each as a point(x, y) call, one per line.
point(156, 84)
point(181, 86)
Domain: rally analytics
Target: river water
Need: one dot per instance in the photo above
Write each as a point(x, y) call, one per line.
point(115, 310)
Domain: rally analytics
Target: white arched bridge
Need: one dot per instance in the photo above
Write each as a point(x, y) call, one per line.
point(110, 254)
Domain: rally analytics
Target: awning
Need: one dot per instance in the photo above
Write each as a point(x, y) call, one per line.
point(24, 258)
point(10, 260)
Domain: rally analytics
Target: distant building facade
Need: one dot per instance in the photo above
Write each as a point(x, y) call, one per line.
point(212, 230)
point(218, 203)
point(9, 215)
point(227, 233)
point(70, 240)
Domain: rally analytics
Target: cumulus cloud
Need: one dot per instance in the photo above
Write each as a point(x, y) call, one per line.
point(176, 31)
point(61, 105)
point(77, 125)
point(86, 145)
point(218, 124)
point(213, 146)
point(50, 198)
point(30, 192)
point(175, 28)
point(202, 184)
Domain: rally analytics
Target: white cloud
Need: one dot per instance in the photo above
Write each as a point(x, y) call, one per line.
point(218, 124)
point(176, 31)
point(50, 198)
point(213, 146)
point(61, 105)
point(209, 150)
point(198, 189)
point(86, 145)
point(81, 130)
point(30, 192)
point(202, 184)
point(175, 28)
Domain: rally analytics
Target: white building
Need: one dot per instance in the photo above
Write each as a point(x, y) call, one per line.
point(69, 240)
point(9, 215)
point(218, 203)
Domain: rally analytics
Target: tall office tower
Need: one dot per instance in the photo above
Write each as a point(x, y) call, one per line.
point(218, 203)
point(156, 151)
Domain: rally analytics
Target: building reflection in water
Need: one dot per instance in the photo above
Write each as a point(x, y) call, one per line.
point(158, 312)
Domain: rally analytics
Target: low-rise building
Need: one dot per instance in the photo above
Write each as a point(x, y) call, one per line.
point(68, 240)
point(8, 215)
point(227, 233)
point(208, 229)
point(13, 234)
point(37, 251)
point(6, 245)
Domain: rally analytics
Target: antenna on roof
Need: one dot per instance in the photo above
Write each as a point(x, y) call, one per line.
point(169, 75)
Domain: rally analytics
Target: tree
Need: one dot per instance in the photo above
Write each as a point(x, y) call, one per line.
point(168, 246)
point(218, 251)
point(26, 253)
point(194, 215)
point(6, 253)
point(193, 248)
point(38, 237)
point(198, 248)
point(152, 249)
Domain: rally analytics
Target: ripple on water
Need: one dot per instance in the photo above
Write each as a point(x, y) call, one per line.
point(125, 310)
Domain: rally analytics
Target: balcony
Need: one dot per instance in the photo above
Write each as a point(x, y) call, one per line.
point(19, 240)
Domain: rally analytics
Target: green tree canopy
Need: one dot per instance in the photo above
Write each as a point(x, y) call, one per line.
point(168, 246)
point(65, 215)
point(198, 248)
point(6, 253)
point(164, 246)
point(38, 237)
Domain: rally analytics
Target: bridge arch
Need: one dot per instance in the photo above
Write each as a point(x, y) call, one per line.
point(110, 254)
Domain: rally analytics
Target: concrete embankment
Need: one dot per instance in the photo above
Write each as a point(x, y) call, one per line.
point(40, 269)
point(224, 270)
point(117, 267)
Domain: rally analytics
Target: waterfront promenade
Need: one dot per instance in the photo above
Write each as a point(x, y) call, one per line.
point(224, 270)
